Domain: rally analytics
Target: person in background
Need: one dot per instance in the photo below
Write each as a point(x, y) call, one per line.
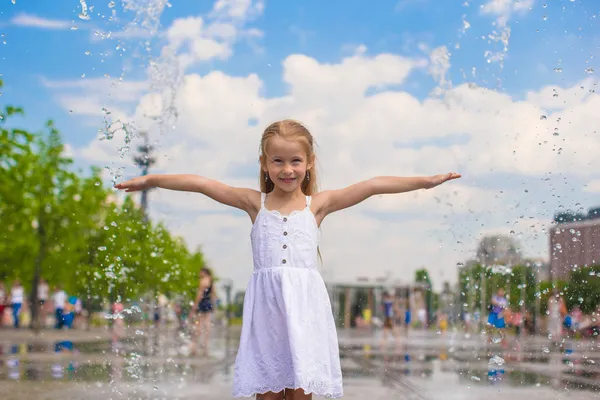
point(497, 316)
point(59, 298)
point(205, 300)
point(3, 301)
point(43, 293)
point(17, 296)
point(576, 316)
point(422, 316)
point(389, 326)
point(69, 312)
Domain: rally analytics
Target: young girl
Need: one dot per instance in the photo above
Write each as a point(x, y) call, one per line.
point(204, 307)
point(288, 344)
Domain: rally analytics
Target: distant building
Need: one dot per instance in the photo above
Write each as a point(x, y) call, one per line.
point(574, 242)
point(350, 299)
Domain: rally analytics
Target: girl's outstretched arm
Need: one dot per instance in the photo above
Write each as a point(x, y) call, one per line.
point(335, 200)
point(235, 197)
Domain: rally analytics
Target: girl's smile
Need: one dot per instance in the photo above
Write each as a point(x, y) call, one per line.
point(287, 180)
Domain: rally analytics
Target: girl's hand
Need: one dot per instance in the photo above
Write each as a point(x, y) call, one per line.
point(135, 184)
point(437, 180)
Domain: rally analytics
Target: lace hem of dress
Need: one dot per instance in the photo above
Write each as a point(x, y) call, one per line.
point(318, 388)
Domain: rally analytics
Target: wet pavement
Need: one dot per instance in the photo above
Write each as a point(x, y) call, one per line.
point(424, 365)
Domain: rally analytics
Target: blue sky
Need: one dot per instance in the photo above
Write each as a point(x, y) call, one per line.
point(322, 29)
point(44, 60)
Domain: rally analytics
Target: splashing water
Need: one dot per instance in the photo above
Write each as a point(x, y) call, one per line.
point(147, 13)
point(163, 77)
point(502, 37)
point(84, 11)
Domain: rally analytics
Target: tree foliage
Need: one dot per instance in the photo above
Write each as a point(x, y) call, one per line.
point(67, 227)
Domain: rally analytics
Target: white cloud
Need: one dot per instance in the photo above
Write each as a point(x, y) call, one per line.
point(593, 186)
point(237, 9)
point(503, 9)
point(366, 125)
point(203, 38)
point(554, 97)
point(32, 21)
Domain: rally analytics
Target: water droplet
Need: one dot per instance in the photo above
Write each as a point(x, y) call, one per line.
point(83, 75)
point(542, 117)
point(74, 28)
point(545, 349)
point(558, 70)
point(544, 5)
point(475, 378)
point(102, 248)
point(14, 1)
point(580, 299)
point(84, 11)
point(497, 338)
point(497, 360)
point(87, 53)
point(589, 70)
point(545, 18)
point(555, 133)
point(111, 4)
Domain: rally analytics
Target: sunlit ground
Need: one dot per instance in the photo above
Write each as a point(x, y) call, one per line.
point(154, 364)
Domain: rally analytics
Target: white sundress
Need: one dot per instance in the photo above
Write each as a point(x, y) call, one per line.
point(288, 338)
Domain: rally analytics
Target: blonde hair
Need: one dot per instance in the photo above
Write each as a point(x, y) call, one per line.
point(290, 130)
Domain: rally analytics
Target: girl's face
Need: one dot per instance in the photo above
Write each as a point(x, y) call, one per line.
point(286, 162)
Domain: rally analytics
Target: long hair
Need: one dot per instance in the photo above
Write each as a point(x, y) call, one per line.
point(208, 272)
point(290, 130)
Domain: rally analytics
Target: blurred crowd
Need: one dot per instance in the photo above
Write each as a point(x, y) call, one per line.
point(56, 307)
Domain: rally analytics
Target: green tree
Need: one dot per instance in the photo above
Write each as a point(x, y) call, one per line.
point(422, 276)
point(583, 289)
point(68, 228)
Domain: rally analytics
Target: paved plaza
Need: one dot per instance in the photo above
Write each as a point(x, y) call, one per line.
point(151, 364)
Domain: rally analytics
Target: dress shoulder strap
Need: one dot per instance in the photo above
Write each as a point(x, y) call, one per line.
point(263, 196)
point(308, 199)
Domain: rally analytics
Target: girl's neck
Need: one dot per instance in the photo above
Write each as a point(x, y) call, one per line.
point(286, 196)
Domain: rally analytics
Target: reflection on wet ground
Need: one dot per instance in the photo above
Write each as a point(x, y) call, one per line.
point(157, 365)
